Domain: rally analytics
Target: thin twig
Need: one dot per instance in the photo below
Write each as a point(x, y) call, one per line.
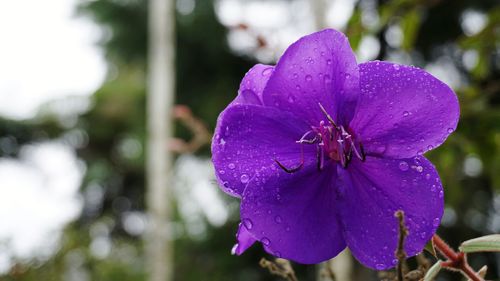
point(400, 251)
point(455, 261)
point(279, 267)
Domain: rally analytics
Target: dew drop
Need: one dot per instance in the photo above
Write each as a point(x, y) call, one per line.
point(396, 67)
point(450, 130)
point(430, 147)
point(295, 76)
point(441, 194)
point(308, 78)
point(231, 166)
point(222, 172)
point(403, 166)
point(265, 241)
point(267, 71)
point(248, 224)
point(406, 113)
point(379, 266)
point(244, 178)
point(435, 222)
point(278, 219)
point(419, 169)
point(329, 62)
point(433, 188)
point(428, 176)
point(233, 250)
point(291, 99)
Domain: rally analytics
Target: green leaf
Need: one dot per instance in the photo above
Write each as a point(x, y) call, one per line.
point(489, 243)
point(433, 271)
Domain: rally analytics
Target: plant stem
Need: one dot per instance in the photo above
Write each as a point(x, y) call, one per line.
point(457, 261)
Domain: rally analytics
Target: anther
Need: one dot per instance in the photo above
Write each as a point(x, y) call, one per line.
point(330, 119)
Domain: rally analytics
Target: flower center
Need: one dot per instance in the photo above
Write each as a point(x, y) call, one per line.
point(333, 142)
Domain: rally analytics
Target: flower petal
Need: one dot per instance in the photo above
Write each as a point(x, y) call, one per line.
point(370, 194)
point(318, 68)
point(250, 137)
point(252, 85)
point(294, 215)
point(245, 240)
point(402, 111)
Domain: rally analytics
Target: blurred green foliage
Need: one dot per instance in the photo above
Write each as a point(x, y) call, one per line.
point(208, 74)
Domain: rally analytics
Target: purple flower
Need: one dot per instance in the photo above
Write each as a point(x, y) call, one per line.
point(323, 151)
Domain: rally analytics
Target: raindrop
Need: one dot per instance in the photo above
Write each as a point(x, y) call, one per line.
point(295, 76)
point(435, 222)
point(308, 78)
point(428, 176)
point(291, 99)
point(430, 147)
point(450, 130)
point(231, 166)
point(379, 266)
point(403, 166)
point(222, 172)
point(267, 71)
point(406, 113)
point(419, 169)
point(433, 188)
point(278, 219)
point(440, 194)
point(266, 241)
point(248, 224)
point(244, 178)
point(329, 62)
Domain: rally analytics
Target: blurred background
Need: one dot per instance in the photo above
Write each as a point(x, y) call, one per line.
point(73, 127)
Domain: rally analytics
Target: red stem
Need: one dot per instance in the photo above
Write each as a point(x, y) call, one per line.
point(455, 260)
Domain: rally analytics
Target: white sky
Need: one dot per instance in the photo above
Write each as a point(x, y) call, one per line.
point(45, 53)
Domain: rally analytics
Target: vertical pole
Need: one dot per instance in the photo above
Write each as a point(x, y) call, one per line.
point(160, 97)
point(318, 8)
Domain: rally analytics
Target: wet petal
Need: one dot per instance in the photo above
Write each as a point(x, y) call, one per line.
point(372, 191)
point(294, 215)
point(318, 68)
point(249, 137)
point(245, 240)
point(402, 111)
point(252, 85)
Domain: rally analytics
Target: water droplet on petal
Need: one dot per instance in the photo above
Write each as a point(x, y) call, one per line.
point(441, 194)
point(233, 250)
point(419, 169)
point(406, 113)
point(278, 219)
point(231, 166)
point(396, 67)
point(265, 241)
point(403, 166)
point(428, 176)
point(291, 99)
point(450, 130)
point(329, 62)
point(247, 223)
point(379, 266)
point(267, 71)
point(244, 178)
point(435, 222)
point(308, 78)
